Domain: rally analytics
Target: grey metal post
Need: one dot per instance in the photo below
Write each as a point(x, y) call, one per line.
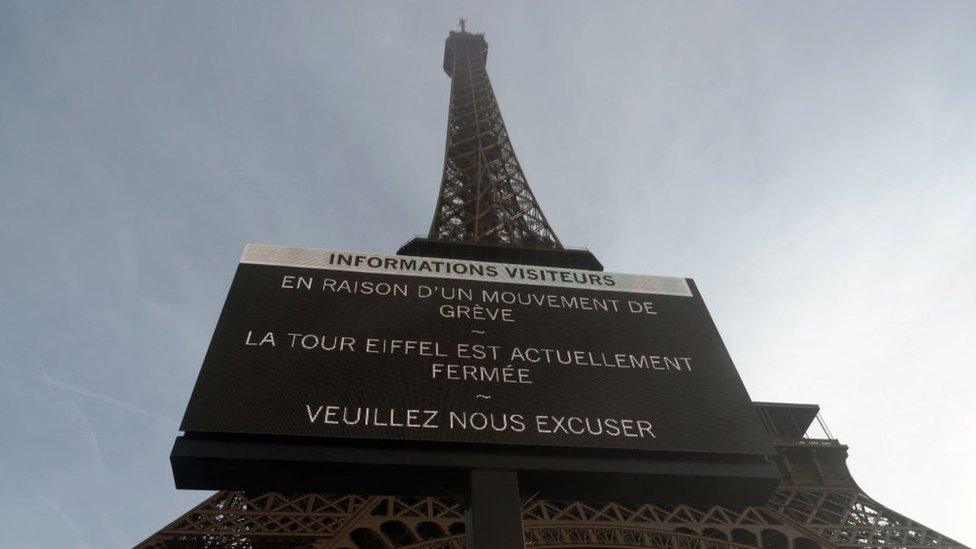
point(494, 515)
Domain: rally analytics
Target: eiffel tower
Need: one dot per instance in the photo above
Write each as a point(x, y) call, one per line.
point(485, 209)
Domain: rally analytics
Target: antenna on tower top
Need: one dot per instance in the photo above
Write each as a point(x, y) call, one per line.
point(462, 22)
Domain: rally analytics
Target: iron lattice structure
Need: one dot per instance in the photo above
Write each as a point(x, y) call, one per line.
point(484, 197)
point(817, 505)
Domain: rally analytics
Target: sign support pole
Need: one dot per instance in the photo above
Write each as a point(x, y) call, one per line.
point(494, 514)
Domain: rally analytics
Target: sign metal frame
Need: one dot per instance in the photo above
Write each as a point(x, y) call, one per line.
point(225, 460)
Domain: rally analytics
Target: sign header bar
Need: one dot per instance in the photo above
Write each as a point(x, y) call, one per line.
point(333, 260)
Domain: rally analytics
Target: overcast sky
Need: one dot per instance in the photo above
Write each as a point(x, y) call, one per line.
point(811, 165)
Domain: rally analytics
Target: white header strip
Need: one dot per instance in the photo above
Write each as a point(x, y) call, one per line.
point(461, 269)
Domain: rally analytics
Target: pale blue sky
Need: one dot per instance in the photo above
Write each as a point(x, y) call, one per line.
point(811, 165)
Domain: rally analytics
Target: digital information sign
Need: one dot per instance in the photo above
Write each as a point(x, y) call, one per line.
point(346, 345)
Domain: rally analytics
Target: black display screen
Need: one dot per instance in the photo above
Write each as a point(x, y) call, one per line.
point(322, 344)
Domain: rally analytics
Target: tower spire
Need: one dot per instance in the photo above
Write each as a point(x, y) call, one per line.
point(484, 197)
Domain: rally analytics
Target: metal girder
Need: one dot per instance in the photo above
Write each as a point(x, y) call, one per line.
point(797, 517)
point(484, 197)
